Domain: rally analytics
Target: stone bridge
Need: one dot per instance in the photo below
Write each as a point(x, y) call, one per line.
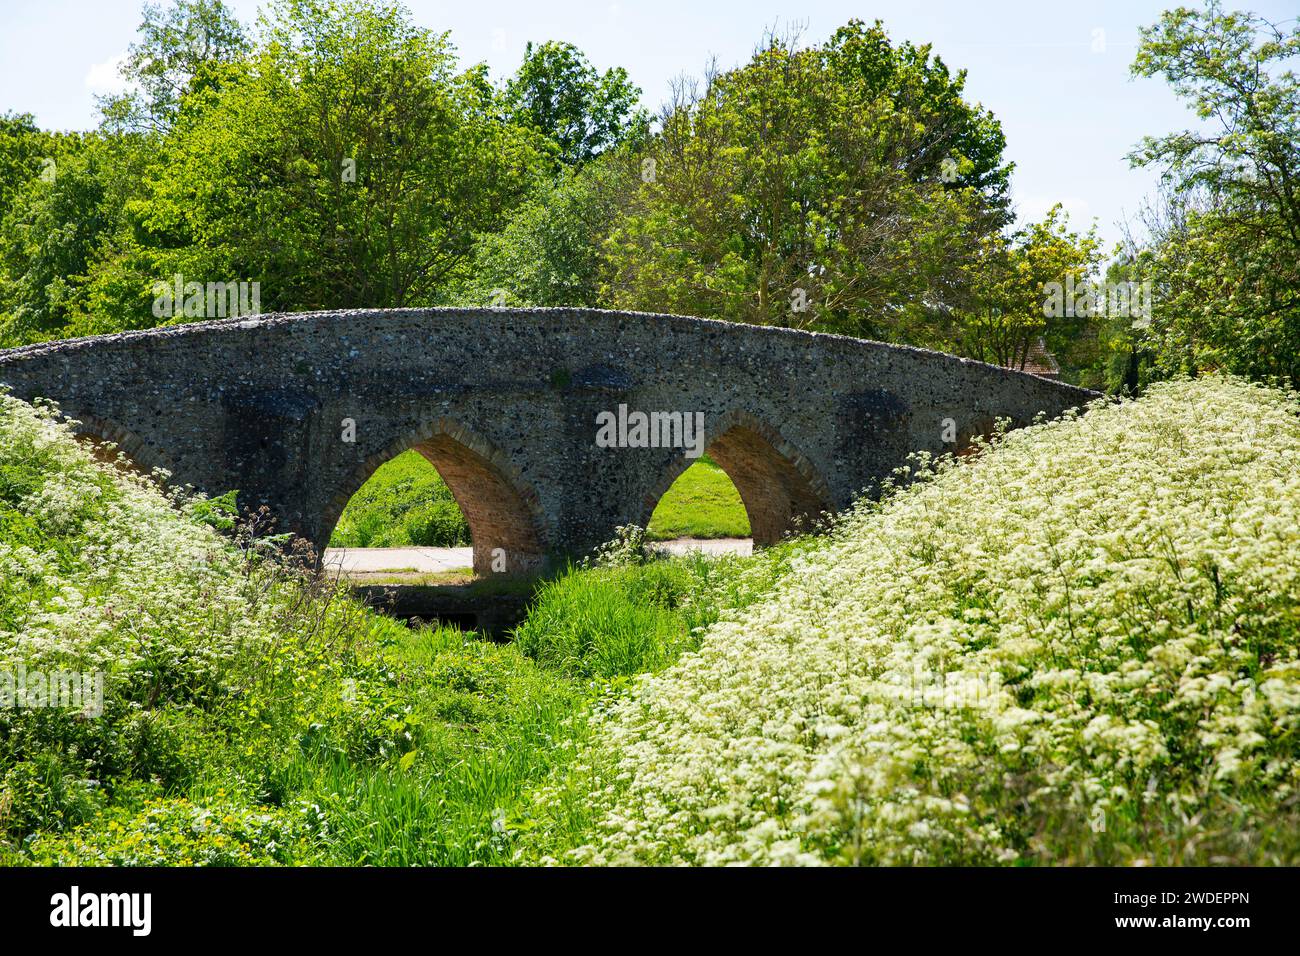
point(296, 411)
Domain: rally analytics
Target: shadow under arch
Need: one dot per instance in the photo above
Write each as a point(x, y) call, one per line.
point(781, 490)
point(504, 517)
point(116, 445)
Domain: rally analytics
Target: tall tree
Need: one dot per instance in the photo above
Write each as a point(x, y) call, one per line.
point(1227, 270)
point(349, 165)
point(557, 92)
point(552, 251)
point(958, 142)
point(180, 49)
point(1012, 283)
point(803, 189)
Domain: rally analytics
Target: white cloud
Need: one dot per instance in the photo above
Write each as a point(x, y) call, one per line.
point(105, 78)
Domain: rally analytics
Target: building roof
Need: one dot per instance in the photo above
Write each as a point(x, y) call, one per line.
point(1039, 361)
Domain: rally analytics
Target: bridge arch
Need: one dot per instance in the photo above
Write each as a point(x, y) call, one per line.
point(781, 490)
point(116, 445)
point(505, 519)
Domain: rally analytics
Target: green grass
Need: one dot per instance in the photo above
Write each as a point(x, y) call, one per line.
point(483, 722)
point(489, 724)
point(408, 760)
point(702, 503)
point(405, 503)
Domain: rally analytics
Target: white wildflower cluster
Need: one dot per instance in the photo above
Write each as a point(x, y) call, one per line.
point(627, 547)
point(133, 589)
point(1096, 616)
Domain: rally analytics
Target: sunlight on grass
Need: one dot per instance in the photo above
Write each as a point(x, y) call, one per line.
point(405, 503)
point(702, 503)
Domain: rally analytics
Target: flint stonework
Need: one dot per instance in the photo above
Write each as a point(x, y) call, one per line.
point(504, 402)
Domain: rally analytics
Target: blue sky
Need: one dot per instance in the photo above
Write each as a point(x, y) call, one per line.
point(1055, 74)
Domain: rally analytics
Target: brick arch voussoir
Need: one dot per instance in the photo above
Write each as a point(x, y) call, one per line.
point(111, 442)
point(507, 522)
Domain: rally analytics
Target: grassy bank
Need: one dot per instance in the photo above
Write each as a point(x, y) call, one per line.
point(702, 503)
point(251, 715)
point(405, 503)
point(1082, 647)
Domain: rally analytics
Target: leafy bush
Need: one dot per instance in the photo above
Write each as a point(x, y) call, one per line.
point(179, 833)
point(41, 793)
point(436, 524)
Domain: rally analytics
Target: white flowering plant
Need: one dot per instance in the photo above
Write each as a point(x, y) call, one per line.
point(1081, 645)
point(1078, 645)
point(216, 657)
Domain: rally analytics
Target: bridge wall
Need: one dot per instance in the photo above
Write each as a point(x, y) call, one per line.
point(505, 403)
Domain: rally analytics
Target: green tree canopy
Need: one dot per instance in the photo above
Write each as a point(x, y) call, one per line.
point(1224, 253)
point(24, 149)
point(59, 226)
point(1010, 284)
point(557, 92)
point(948, 130)
point(552, 251)
point(180, 49)
point(347, 164)
point(818, 187)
